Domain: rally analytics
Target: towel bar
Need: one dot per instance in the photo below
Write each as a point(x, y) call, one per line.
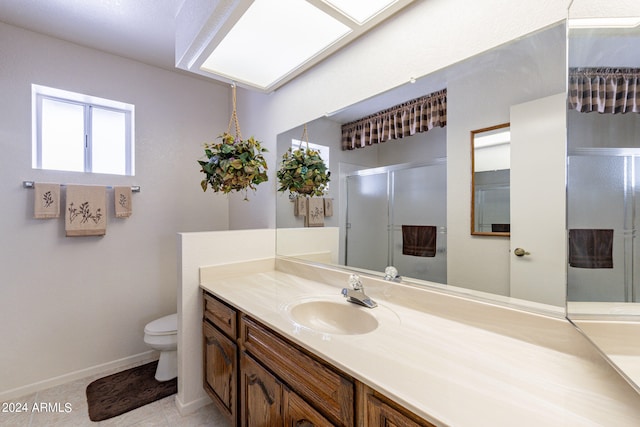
point(29, 184)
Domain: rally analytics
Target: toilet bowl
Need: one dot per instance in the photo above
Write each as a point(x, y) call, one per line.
point(162, 335)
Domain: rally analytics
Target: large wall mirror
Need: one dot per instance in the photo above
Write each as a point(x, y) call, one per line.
point(424, 179)
point(603, 203)
point(490, 181)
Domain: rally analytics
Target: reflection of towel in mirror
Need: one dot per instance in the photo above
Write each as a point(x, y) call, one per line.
point(591, 248)
point(419, 240)
point(315, 212)
point(47, 200)
point(86, 212)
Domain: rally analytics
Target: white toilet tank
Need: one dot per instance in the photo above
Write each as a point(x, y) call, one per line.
point(167, 325)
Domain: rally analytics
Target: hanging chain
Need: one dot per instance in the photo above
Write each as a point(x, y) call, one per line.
point(234, 115)
point(305, 138)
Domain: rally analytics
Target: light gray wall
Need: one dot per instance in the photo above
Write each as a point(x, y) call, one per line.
point(70, 304)
point(478, 100)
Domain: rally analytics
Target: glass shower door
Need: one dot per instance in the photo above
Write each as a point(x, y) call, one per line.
point(419, 197)
point(601, 195)
point(367, 240)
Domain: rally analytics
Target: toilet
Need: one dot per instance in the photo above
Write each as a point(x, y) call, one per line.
point(162, 335)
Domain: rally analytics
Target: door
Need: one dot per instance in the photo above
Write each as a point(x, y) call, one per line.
point(420, 198)
point(367, 220)
point(538, 200)
point(606, 177)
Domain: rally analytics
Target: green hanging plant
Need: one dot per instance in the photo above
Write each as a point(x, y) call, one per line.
point(303, 172)
point(233, 164)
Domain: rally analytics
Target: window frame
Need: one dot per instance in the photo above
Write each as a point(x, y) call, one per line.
point(89, 103)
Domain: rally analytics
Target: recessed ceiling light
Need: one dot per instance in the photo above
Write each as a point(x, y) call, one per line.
point(271, 39)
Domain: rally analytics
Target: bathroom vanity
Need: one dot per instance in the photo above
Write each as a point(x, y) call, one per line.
point(430, 358)
point(281, 383)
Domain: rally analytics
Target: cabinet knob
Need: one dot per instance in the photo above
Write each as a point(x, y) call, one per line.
point(520, 252)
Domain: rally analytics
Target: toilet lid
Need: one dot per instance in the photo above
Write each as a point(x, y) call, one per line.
point(163, 326)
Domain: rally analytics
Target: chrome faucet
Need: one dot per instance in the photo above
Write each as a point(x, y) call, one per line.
point(356, 293)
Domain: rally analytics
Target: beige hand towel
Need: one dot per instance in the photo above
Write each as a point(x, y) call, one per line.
point(122, 197)
point(315, 214)
point(47, 200)
point(300, 206)
point(86, 211)
point(328, 207)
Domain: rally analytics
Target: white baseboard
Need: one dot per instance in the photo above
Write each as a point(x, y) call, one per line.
point(104, 368)
point(193, 406)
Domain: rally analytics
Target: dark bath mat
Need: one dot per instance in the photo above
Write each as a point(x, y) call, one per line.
point(119, 393)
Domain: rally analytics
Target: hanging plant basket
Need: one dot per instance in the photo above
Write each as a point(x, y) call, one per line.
point(302, 171)
point(233, 164)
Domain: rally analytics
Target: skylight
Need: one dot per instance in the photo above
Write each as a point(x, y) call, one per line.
point(360, 10)
point(266, 43)
point(262, 44)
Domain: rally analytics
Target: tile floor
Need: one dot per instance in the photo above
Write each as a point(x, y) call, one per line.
point(72, 395)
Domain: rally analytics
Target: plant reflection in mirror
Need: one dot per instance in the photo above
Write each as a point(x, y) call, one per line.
point(303, 171)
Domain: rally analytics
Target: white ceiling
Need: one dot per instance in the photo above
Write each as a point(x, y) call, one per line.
point(139, 29)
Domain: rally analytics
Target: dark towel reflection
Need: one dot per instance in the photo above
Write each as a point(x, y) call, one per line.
point(591, 248)
point(419, 240)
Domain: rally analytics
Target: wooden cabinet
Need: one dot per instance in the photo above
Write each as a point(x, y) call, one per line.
point(381, 412)
point(331, 392)
point(298, 413)
point(261, 395)
point(257, 377)
point(220, 373)
point(220, 356)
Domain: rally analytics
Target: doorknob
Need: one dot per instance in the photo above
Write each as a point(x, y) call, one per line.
point(520, 252)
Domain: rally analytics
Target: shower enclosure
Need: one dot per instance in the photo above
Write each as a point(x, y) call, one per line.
point(380, 201)
point(603, 185)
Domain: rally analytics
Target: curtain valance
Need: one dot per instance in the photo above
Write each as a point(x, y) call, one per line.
point(604, 90)
point(418, 115)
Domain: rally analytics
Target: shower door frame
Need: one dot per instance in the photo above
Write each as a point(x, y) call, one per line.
point(630, 287)
point(390, 199)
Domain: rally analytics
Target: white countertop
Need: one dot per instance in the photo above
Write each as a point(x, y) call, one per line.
point(452, 361)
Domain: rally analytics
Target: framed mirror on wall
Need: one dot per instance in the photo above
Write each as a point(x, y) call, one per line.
point(490, 181)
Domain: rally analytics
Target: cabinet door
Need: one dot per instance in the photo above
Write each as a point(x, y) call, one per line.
point(220, 366)
point(298, 413)
point(381, 414)
point(261, 395)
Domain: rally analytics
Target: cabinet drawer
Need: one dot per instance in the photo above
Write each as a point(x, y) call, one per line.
point(220, 314)
point(331, 392)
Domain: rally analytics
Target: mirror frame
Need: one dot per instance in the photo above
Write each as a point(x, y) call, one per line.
point(473, 184)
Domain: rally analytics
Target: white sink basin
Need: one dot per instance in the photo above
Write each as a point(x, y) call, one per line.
point(332, 317)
